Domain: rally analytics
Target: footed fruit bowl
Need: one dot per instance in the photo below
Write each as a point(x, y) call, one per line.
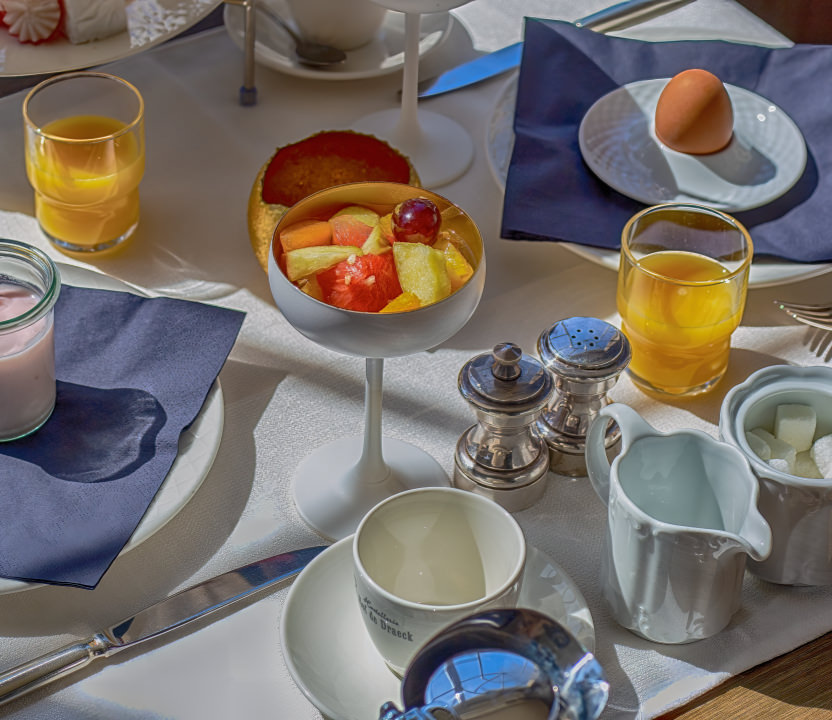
point(339, 482)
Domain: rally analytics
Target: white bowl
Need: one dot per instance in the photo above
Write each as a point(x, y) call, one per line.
point(799, 510)
point(375, 335)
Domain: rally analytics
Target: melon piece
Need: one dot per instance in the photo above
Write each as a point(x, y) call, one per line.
point(376, 242)
point(422, 271)
point(365, 214)
point(306, 233)
point(312, 260)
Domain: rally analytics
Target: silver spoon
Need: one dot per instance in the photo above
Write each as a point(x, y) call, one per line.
point(307, 52)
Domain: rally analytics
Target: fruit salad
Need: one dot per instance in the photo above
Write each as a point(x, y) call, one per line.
point(377, 260)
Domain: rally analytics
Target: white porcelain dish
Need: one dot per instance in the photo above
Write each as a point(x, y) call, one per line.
point(332, 659)
point(198, 444)
point(766, 156)
point(500, 142)
point(149, 22)
point(381, 56)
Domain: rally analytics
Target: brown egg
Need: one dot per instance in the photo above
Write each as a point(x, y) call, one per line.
point(694, 113)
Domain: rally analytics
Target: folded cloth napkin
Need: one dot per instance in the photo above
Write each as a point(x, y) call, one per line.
point(132, 372)
point(552, 195)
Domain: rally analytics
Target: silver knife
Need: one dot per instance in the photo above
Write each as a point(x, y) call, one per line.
point(171, 613)
point(507, 58)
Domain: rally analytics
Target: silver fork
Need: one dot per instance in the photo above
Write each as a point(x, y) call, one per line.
point(818, 316)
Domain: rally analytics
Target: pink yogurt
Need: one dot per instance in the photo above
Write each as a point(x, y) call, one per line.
point(27, 365)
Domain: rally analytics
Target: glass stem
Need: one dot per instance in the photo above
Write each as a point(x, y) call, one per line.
point(371, 466)
point(408, 131)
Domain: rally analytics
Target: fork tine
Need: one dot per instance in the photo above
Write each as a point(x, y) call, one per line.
point(813, 322)
point(813, 310)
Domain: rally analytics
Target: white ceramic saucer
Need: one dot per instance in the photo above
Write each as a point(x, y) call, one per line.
point(331, 657)
point(765, 158)
point(381, 56)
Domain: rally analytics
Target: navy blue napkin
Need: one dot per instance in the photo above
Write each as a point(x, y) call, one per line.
point(552, 195)
point(133, 372)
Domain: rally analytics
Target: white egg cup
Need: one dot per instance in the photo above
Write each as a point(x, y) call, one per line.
point(339, 482)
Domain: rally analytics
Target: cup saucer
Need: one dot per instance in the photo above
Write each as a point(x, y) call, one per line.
point(332, 659)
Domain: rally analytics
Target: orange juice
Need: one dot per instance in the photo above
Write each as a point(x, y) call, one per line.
point(86, 170)
point(678, 310)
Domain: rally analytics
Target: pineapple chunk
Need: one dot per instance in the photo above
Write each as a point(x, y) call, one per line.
point(312, 260)
point(422, 271)
point(376, 243)
point(402, 303)
point(459, 269)
point(311, 287)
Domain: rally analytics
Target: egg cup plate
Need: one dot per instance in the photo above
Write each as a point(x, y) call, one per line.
point(765, 158)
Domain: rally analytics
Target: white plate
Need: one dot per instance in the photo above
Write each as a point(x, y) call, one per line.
point(766, 156)
point(765, 272)
point(149, 22)
point(381, 56)
point(334, 662)
point(198, 443)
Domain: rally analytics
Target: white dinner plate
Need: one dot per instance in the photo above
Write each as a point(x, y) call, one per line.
point(198, 443)
point(149, 22)
point(334, 662)
point(765, 272)
point(381, 56)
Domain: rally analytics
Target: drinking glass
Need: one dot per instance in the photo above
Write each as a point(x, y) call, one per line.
point(682, 283)
point(340, 481)
point(85, 157)
point(29, 287)
point(439, 147)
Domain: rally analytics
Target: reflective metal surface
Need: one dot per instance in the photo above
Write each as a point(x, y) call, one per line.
point(585, 356)
point(505, 664)
point(501, 457)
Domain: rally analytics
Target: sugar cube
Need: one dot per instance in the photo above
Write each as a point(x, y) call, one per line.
point(780, 449)
point(805, 467)
point(821, 453)
point(758, 445)
point(781, 464)
point(795, 424)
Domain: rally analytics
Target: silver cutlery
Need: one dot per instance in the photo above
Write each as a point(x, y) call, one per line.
point(508, 58)
point(173, 612)
point(818, 316)
point(307, 52)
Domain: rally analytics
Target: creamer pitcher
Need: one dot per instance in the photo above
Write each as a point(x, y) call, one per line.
point(682, 517)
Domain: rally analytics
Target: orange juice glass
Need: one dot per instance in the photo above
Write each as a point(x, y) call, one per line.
point(682, 284)
point(85, 156)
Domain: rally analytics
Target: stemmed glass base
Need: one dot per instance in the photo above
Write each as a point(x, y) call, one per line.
point(440, 148)
point(338, 483)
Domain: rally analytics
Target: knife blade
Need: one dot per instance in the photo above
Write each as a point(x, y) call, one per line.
point(508, 58)
point(173, 612)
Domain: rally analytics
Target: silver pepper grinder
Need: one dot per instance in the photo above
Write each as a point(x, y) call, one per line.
point(585, 356)
point(501, 456)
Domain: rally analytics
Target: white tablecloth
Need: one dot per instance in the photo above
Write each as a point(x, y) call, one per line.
point(285, 395)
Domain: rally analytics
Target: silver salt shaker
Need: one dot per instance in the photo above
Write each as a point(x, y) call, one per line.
point(585, 357)
point(501, 456)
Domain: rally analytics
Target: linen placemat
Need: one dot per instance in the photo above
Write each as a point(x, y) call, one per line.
point(551, 194)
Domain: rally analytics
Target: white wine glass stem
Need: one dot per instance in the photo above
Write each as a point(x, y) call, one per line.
point(371, 467)
point(408, 130)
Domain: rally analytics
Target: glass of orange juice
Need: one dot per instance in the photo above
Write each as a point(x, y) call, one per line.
point(682, 283)
point(85, 156)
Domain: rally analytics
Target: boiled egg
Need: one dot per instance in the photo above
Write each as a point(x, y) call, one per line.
point(694, 113)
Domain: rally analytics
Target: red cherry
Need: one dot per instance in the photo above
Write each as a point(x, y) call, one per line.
point(416, 220)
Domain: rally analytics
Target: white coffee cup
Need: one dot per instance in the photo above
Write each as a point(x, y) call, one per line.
point(425, 558)
point(344, 24)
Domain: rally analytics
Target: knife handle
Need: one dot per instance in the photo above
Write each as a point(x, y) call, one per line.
point(40, 671)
